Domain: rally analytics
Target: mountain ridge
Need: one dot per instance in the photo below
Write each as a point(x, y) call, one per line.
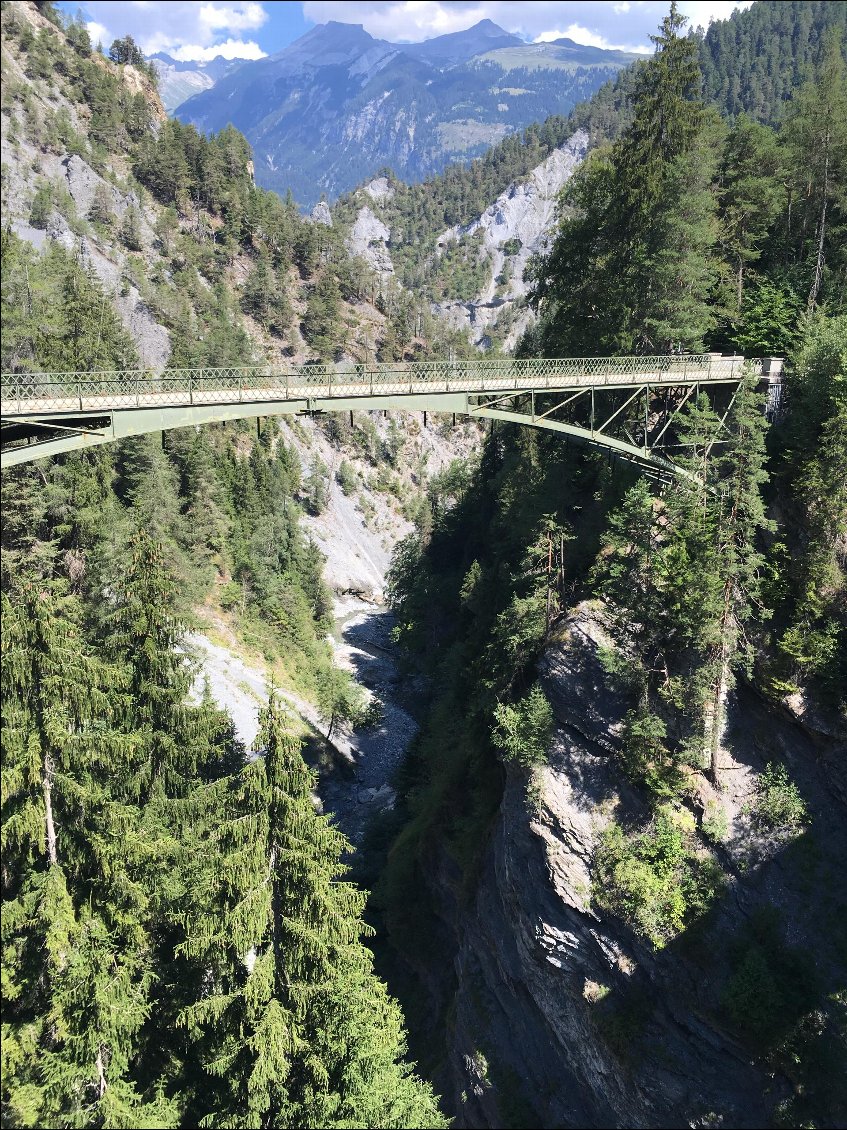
point(328, 111)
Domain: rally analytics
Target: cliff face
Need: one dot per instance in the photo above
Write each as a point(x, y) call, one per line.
point(560, 1016)
point(515, 227)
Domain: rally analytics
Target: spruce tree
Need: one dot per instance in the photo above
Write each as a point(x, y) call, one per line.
point(144, 631)
point(264, 298)
point(76, 961)
point(632, 269)
point(292, 1028)
point(816, 137)
point(740, 519)
point(750, 193)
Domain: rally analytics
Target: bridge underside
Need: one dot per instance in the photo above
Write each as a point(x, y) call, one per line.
point(632, 423)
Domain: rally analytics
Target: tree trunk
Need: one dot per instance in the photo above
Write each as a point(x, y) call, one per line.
point(549, 571)
point(715, 722)
point(101, 1074)
point(816, 281)
point(715, 713)
point(818, 277)
point(47, 786)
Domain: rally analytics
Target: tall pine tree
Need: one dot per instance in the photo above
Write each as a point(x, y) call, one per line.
point(292, 1028)
point(632, 267)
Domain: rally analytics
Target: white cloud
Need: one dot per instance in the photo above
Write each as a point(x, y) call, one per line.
point(197, 30)
point(408, 21)
point(701, 12)
point(245, 18)
point(231, 49)
point(99, 33)
point(589, 39)
point(601, 23)
point(195, 26)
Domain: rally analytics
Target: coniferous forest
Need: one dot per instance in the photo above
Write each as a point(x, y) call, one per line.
point(646, 677)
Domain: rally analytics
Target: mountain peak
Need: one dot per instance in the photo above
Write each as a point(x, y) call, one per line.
point(343, 24)
point(459, 46)
point(488, 27)
point(332, 43)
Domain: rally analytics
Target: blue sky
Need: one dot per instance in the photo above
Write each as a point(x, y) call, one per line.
point(248, 29)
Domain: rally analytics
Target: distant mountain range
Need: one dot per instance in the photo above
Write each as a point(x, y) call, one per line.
point(337, 105)
point(179, 81)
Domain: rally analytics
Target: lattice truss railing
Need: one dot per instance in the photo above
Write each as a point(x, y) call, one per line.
point(42, 393)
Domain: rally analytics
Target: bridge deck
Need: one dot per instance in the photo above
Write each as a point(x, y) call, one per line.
point(45, 394)
point(45, 414)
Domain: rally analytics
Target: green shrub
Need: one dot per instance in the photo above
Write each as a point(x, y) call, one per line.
point(772, 985)
point(778, 804)
point(230, 595)
point(346, 478)
point(655, 880)
point(130, 230)
point(317, 488)
point(646, 757)
point(715, 825)
point(522, 732)
point(42, 204)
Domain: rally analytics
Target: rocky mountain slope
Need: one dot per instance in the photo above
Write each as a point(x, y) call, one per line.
point(495, 247)
point(563, 1019)
point(512, 229)
point(328, 111)
point(51, 154)
point(180, 81)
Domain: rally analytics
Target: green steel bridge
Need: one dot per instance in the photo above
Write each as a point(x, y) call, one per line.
point(625, 405)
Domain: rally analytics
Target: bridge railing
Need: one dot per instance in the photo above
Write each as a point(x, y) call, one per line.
point(26, 393)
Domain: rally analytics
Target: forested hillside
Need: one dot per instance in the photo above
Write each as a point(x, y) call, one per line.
point(750, 67)
point(608, 878)
point(213, 267)
point(628, 794)
point(754, 62)
point(722, 238)
point(179, 943)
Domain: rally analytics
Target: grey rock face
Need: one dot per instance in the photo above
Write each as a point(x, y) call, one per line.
point(321, 214)
point(517, 225)
point(83, 182)
point(561, 1012)
point(368, 239)
point(379, 189)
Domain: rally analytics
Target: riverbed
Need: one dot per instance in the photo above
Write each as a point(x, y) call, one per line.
point(356, 772)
